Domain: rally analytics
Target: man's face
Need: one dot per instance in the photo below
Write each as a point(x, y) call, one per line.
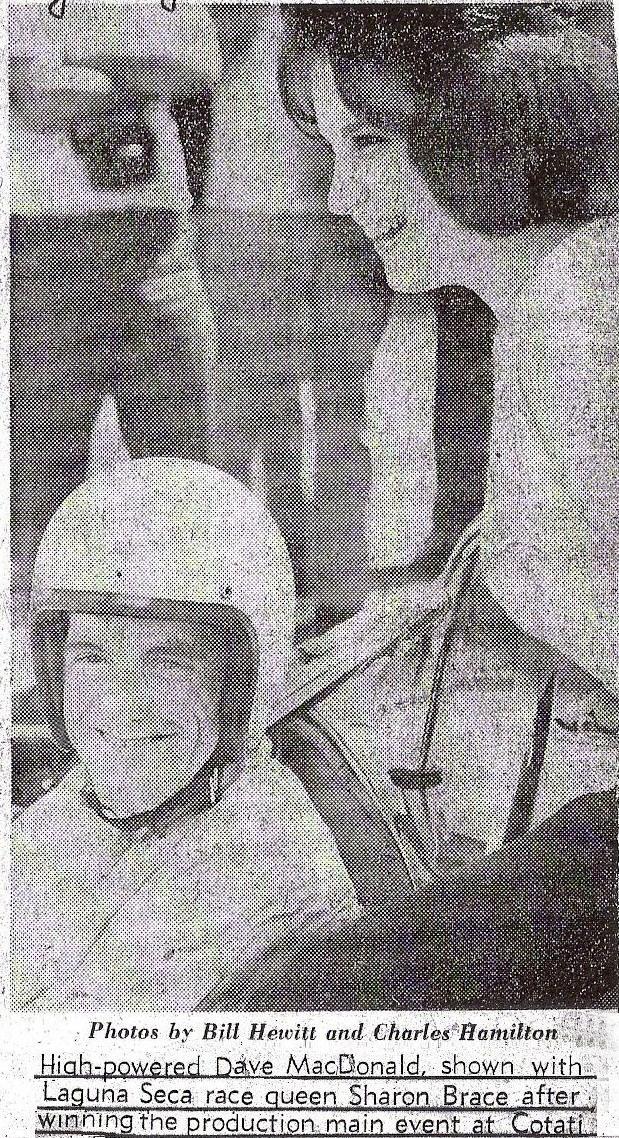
point(140, 707)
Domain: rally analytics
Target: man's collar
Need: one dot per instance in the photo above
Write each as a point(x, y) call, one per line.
point(191, 799)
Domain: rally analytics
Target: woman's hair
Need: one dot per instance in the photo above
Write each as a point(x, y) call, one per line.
point(511, 111)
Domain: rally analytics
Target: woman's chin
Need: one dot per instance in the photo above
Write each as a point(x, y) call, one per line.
point(403, 274)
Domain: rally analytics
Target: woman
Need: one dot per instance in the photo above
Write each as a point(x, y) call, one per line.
point(176, 847)
point(467, 139)
point(483, 135)
point(479, 146)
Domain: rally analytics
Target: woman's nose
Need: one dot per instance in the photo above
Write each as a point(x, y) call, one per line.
point(347, 192)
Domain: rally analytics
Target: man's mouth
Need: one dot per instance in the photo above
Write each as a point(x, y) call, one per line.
point(390, 230)
point(131, 740)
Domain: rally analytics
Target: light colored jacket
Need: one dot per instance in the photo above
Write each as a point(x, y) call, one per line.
point(150, 923)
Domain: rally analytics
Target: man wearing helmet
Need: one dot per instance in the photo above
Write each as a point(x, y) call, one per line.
point(176, 847)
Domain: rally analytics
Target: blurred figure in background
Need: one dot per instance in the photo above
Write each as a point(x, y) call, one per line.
point(109, 318)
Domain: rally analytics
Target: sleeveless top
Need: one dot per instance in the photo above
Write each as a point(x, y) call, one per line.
point(551, 520)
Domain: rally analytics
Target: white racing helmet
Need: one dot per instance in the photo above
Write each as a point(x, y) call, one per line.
point(169, 538)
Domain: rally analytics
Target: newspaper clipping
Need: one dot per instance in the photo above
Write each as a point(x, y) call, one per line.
point(311, 732)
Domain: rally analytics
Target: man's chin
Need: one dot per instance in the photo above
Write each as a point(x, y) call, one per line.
point(137, 793)
point(118, 804)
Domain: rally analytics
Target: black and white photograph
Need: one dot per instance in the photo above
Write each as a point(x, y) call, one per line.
point(314, 464)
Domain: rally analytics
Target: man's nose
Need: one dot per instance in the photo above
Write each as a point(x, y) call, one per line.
point(128, 701)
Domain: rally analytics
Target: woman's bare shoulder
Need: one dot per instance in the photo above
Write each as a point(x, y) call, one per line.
point(580, 274)
point(564, 323)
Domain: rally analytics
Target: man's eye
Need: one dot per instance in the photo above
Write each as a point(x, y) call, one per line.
point(175, 665)
point(365, 141)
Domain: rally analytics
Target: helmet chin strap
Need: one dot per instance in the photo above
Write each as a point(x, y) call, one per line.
point(201, 793)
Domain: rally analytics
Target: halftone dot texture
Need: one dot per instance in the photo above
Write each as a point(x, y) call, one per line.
point(178, 531)
point(246, 336)
point(555, 455)
point(154, 923)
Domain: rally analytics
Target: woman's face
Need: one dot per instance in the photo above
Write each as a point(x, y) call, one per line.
point(140, 707)
point(376, 184)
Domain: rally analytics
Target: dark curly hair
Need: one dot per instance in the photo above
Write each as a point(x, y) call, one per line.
point(511, 111)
